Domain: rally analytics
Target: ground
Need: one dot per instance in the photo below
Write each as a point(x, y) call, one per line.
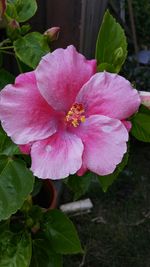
point(117, 231)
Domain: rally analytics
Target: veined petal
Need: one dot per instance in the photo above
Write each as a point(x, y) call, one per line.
point(24, 113)
point(104, 142)
point(61, 74)
point(109, 94)
point(57, 156)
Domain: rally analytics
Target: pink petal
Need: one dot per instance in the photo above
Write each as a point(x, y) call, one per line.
point(109, 94)
point(25, 149)
point(127, 124)
point(24, 113)
point(82, 170)
point(61, 74)
point(57, 156)
point(104, 142)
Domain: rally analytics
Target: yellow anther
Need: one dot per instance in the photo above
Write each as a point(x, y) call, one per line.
point(75, 123)
point(82, 118)
point(75, 115)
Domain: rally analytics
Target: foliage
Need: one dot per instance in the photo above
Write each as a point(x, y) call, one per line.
point(21, 11)
point(110, 52)
point(141, 124)
point(15, 249)
point(79, 185)
point(36, 45)
point(61, 233)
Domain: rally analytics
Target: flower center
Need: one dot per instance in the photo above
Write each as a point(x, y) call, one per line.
point(75, 115)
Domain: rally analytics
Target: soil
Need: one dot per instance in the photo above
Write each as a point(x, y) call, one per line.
point(117, 231)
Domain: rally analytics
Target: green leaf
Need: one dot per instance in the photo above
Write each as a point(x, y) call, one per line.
point(79, 185)
point(37, 186)
point(107, 180)
point(21, 10)
point(111, 46)
point(7, 147)
point(25, 29)
point(43, 255)
point(15, 250)
point(61, 233)
point(30, 48)
point(4, 226)
point(11, 12)
point(141, 124)
point(106, 67)
point(5, 78)
point(16, 183)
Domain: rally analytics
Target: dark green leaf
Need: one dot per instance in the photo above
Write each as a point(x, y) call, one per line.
point(35, 212)
point(7, 147)
point(21, 10)
point(79, 185)
point(141, 124)
point(16, 183)
point(111, 47)
point(107, 180)
point(30, 48)
point(37, 186)
point(61, 233)
point(24, 67)
point(5, 78)
point(15, 250)
point(43, 255)
point(4, 227)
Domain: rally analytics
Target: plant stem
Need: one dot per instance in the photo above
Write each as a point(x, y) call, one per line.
point(19, 66)
point(5, 42)
point(6, 47)
point(6, 52)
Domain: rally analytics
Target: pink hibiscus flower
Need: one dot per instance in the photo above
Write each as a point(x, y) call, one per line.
point(69, 118)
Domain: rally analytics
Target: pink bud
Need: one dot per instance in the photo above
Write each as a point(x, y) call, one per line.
point(145, 98)
point(2, 8)
point(13, 24)
point(52, 33)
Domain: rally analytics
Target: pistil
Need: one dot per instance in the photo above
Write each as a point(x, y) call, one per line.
point(75, 115)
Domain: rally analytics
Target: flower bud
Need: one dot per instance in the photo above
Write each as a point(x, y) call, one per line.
point(2, 8)
point(13, 24)
point(52, 33)
point(145, 98)
point(13, 29)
